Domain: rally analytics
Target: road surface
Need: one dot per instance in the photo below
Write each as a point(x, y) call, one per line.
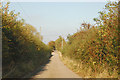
point(55, 69)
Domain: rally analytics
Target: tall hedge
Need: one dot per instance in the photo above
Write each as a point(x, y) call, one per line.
point(97, 46)
point(22, 49)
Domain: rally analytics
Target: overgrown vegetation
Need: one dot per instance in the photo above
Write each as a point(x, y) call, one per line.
point(22, 49)
point(59, 43)
point(51, 44)
point(94, 49)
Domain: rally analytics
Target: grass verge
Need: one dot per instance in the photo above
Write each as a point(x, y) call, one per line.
point(85, 71)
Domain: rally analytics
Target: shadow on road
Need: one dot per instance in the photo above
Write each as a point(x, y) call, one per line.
point(39, 70)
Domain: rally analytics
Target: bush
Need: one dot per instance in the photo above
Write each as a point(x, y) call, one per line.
point(22, 49)
point(96, 46)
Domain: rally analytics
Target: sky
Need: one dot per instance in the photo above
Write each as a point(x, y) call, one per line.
point(58, 0)
point(57, 18)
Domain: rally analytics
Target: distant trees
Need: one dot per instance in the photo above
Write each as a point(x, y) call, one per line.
point(59, 43)
point(22, 49)
point(52, 45)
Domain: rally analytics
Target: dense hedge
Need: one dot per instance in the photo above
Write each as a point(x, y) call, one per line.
point(96, 46)
point(22, 49)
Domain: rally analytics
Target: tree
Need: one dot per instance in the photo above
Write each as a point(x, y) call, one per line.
point(22, 49)
point(52, 45)
point(59, 43)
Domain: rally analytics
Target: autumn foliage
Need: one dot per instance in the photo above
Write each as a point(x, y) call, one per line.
point(97, 46)
point(22, 49)
point(52, 45)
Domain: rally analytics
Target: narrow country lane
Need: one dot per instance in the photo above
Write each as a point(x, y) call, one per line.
point(56, 69)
